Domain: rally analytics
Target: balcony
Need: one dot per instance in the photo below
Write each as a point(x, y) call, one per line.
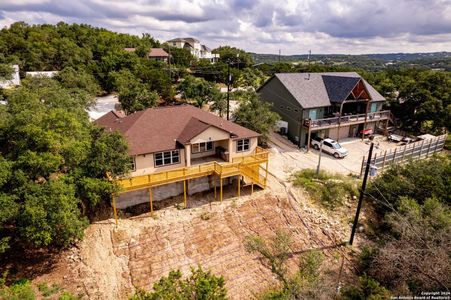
point(346, 120)
point(248, 166)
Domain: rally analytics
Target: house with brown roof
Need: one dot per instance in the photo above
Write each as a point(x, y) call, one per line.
point(175, 144)
point(158, 54)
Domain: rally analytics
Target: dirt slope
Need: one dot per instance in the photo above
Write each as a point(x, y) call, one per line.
point(112, 262)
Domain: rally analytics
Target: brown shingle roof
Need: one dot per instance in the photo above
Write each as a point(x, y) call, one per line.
point(158, 52)
point(165, 128)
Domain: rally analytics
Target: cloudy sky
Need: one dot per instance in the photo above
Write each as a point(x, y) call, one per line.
point(263, 26)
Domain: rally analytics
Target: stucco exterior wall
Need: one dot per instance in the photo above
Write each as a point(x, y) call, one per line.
point(145, 164)
point(210, 134)
point(253, 142)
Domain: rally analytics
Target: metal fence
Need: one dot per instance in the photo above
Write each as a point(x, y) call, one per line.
point(414, 151)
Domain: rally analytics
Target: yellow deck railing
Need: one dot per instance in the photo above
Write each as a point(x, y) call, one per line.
point(248, 166)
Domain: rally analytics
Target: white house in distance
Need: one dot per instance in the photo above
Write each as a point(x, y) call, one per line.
point(195, 47)
point(42, 74)
point(14, 81)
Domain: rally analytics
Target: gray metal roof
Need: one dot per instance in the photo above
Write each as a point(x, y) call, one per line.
point(321, 89)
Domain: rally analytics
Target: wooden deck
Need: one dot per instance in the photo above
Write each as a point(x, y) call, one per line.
point(248, 166)
point(347, 120)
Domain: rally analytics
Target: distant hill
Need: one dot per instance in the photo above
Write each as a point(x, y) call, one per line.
point(432, 60)
point(382, 56)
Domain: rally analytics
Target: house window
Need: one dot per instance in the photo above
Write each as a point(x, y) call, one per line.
point(313, 114)
point(373, 107)
point(242, 145)
point(202, 147)
point(167, 158)
point(133, 163)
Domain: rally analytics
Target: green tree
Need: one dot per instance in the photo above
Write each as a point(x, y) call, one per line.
point(200, 285)
point(415, 256)
point(6, 72)
point(133, 94)
point(218, 102)
point(78, 79)
point(411, 253)
point(256, 115)
point(242, 58)
point(179, 57)
point(251, 78)
point(53, 162)
point(306, 283)
point(198, 90)
point(367, 289)
point(410, 180)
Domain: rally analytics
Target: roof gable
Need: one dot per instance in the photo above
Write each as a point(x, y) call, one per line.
point(322, 89)
point(165, 128)
point(339, 87)
point(158, 52)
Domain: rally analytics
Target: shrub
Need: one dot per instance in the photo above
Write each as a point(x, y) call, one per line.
point(418, 180)
point(200, 285)
point(48, 290)
point(21, 290)
point(330, 189)
point(366, 289)
point(306, 283)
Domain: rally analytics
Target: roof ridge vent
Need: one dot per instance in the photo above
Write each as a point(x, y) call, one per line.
point(307, 77)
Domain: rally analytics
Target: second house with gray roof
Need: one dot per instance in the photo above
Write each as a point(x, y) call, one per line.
point(335, 105)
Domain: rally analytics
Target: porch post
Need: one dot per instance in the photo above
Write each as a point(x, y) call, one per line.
point(214, 182)
point(150, 200)
point(220, 188)
point(309, 137)
point(230, 149)
point(188, 155)
point(239, 183)
point(339, 120)
point(184, 193)
point(266, 172)
point(366, 116)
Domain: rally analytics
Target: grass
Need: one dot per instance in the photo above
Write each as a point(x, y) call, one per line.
point(448, 142)
point(329, 189)
point(48, 290)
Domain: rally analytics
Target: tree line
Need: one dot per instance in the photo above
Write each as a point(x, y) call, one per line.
point(53, 163)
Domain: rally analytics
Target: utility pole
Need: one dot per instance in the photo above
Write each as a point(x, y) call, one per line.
point(319, 158)
point(229, 79)
point(279, 55)
point(169, 61)
point(362, 192)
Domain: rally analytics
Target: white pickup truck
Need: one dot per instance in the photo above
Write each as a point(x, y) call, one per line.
point(330, 146)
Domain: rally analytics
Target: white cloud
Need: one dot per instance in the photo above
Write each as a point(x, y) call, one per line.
point(264, 26)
